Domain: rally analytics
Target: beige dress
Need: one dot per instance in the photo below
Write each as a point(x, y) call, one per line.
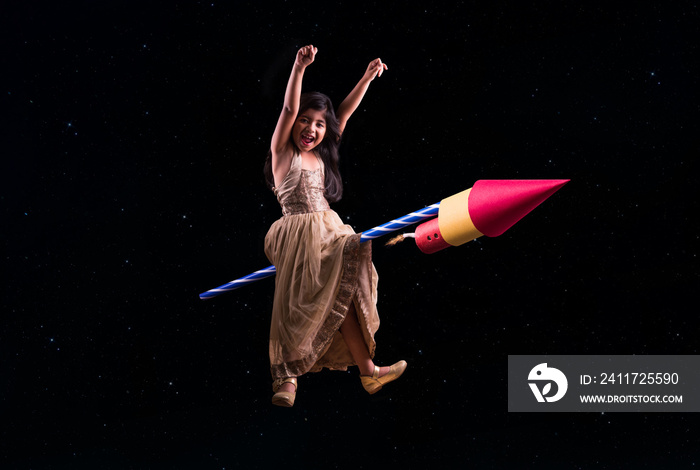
point(321, 268)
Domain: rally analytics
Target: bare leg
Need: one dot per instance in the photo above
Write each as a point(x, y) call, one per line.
point(287, 387)
point(350, 329)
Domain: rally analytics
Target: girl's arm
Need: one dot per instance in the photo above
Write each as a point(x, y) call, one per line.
point(281, 146)
point(350, 104)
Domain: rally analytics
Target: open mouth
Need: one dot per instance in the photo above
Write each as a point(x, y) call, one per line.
point(307, 140)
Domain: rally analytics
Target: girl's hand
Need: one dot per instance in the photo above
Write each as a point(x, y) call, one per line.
point(375, 68)
point(305, 56)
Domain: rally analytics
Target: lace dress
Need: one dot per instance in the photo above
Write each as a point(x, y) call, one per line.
point(321, 268)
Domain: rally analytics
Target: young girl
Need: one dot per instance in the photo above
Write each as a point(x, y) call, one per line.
point(324, 312)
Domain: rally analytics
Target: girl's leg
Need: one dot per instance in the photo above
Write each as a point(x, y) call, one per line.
point(350, 329)
point(287, 387)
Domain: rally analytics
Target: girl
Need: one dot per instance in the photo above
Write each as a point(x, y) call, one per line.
point(324, 312)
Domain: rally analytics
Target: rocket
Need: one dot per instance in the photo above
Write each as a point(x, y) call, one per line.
point(490, 207)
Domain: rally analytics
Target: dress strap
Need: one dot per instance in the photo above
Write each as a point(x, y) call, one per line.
point(320, 163)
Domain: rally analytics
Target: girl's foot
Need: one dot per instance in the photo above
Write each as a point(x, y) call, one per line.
point(287, 387)
point(368, 369)
point(285, 391)
point(377, 380)
point(383, 371)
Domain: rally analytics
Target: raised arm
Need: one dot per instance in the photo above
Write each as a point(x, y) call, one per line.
point(350, 104)
point(281, 147)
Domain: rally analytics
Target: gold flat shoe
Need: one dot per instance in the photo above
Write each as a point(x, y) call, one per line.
point(285, 399)
point(375, 383)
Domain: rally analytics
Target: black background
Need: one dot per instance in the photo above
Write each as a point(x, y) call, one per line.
point(133, 140)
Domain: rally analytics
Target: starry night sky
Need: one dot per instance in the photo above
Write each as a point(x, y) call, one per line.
point(133, 139)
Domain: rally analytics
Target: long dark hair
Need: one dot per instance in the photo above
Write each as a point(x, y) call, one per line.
point(327, 149)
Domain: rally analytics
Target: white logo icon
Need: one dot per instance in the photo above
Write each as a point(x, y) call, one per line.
point(542, 373)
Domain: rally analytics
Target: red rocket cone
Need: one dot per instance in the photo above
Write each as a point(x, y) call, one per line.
point(496, 205)
point(489, 208)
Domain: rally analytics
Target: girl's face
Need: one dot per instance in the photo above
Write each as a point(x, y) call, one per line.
point(309, 129)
